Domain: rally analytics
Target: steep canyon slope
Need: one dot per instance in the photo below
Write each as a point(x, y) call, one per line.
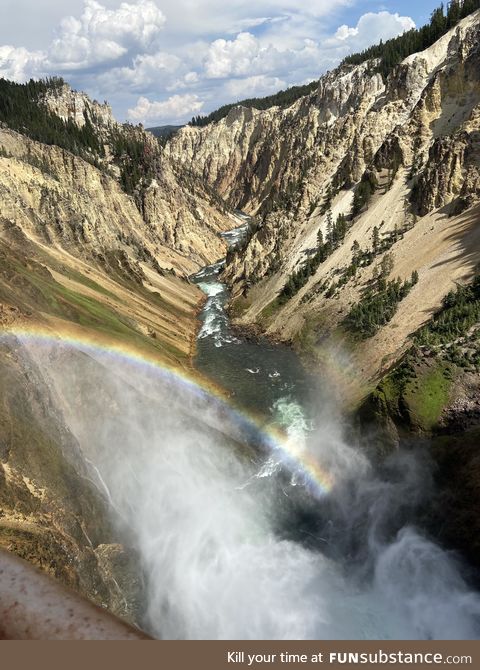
point(95, 249)
point(412, 137)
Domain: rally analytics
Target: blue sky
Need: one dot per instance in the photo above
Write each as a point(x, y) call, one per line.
point(418, 10)
point(162, 61)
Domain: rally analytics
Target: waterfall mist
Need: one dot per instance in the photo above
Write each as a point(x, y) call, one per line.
point(234, 548)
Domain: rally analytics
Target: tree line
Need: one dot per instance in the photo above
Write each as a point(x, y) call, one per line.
point(378, 306)
point(21, 109)
point(283, 98)
point(460, 311)
point(393, 51)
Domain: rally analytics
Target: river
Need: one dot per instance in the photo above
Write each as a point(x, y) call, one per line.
point(261, 376)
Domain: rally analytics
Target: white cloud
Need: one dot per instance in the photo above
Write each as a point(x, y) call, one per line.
point(19, 64)
point(370, 29)
point(344, 32)
point(103, 35)
point(144, 72)
point(255, 86)
point(187, 81)
point(231, 57)
point(246, 55)
point(98, 39)
point(191, 78)
point(176, 108)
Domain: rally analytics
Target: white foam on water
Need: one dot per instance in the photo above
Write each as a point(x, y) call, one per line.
point(212, 289)
point(215, 565)
point(291, 416)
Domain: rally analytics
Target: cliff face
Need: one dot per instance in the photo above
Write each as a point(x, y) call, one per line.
point(260, 159)
point(297, 169)
point(62, 200)
point(75, 106)
point(51, 512)
point(252, 157)
point(452, 168)
point(80, 258)
point(177, 209)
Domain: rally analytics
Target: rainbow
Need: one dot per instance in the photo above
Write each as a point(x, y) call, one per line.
point(252, 428)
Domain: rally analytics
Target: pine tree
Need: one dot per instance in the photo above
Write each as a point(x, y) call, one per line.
point(375, 240)
point(341, 227)
point(330, 231)
point(453, 13)
point(320, 238)
point(387, 265)
point(355, 254)
point(327, 201)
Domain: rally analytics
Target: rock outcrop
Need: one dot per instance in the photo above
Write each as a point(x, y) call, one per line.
point(178, 209)
point(75, 106)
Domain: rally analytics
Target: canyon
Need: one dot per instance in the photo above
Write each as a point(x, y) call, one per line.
point(99, 250)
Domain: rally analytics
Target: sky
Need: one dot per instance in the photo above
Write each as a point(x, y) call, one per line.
point(163, 61)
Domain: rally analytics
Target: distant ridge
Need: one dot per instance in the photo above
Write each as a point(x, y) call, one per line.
point(164, 131)
point(281, 99)
point(389, 54)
